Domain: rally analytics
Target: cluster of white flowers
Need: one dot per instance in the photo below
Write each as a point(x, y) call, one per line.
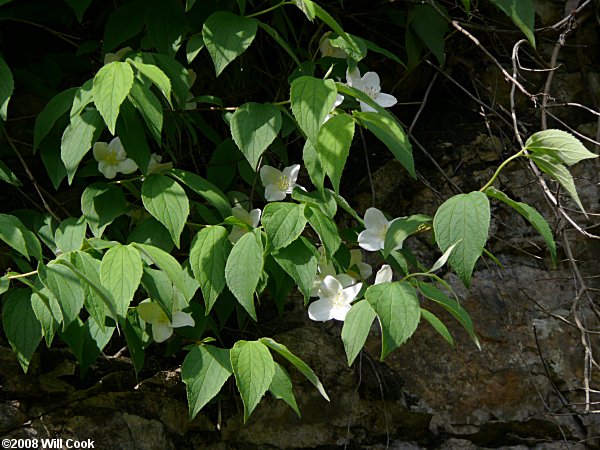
point(112, 159)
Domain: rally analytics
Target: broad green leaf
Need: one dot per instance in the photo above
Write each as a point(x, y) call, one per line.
point(134, 335)
point(52, 162)
point(356, 328)
point(208, 256)
point(79, 7)
point(47, 311)
point(177, 74)
point(193, 47)
point(297, 363)
point(133, 137)
point(398, 310)
point(312, 99)
point(325, 228)
point(388, 131)
point(204, 372)
point(522, 13)
point(150, 108)
point(437, 325)
point(21, 326)
point(402, 228)
point(156, 75)
point(4, 284)
point(283, 222)
point(166, 200)
point(152, 232)
point(464, 218)
point(7, 85)
point(531, 215)
point(101, 203)
point(70, 234)
point(559, 145)
point(124, 23)
point(160, 289)
point(331, 22)
point(244, 268)
point(254, 126)
point(227, 36)
point(558, 172)
point(8, 176)
point(166, 263)
point(431, 27)
point(78, 138)
point(322, 200)
point(166, 25)
point(313, 164)
point(16, 235)
point(83, 97)
point(205, 189)
point(467, 5)
point(452, 306)
point(112, 83)
point(281, 388)
point(300, 260)
point(342, 203)
point(253, 367)
point(333, 146)
point(54, 109)
point(65, 286)
point(86, 340)
point(120, 273)
point(307, 7)
point(357, 51)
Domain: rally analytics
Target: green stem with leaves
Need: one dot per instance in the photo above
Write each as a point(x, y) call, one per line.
point(499, 169)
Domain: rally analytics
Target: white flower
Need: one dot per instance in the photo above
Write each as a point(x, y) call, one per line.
point(334, 300)
point(373, 238)
point(279, 183)
point(155, 166)
point(370, 85)
point(112, 158)
point(338, 101)
point(251, 218)
point(329, 50)
point(364, 270)
point(162, 327)
point(384, 275)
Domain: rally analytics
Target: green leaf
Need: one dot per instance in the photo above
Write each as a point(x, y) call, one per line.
point(326, 17)
point(297, 363)
point(65, 286)
point(83, 97)
point(178, 76)
point(559, 145)
point(324, 201)
point(356, 328)
point(281, 388)
point(522, 13)
point(7, 86)
point(531, 215)
point(244, 268)
point(333, 146)
point(558, 172)
point(254, 127)
point(452, 306)
point(166, 200)
point(160, 289)
point(283, 222)
point(152, 232)
point(357, 50)
point(86, 340)
point(166, 263)
point(70, 234)
point(402, 228)
point(464, 218)
point(16, 235)
point(205, 189)
point(227, 36)
point(382, 51)
point(342, 203)
point(124, 23)
point(388, 131)
point(101, 203)
point(398, 310)
point(208, 256)
point(307, 7)
point(156, 75)
point(150, 108)
point(325, 228)
point(112, 83)
point(312, 99)
point(54, 109)
point(204, 372)
point(78, 138)
point(135, 336)
point(300, 260)
point(21, 326)
point(193, 47)
point(8, 176)
point(313, 164)
point(120, 273)
point(437, 325)
point(79, 7)
point(47, 311)
point(253, 367)
point(166, 25)
point(431, 27)
point(133, 137)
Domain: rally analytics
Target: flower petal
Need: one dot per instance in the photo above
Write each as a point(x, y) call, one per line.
point(150, 311)
point(240, 213)
point(161, 331)
point(330, 287)
point(126, 166)
point(181, 319)
point(339, 98)
point(254, 217)
point(272, 194)
point(364, 269)
point(116, 147)
point(385, 100)
point(292, 173)
point(100, 151)
point(320, 311)
point(269, 175)
point(384, 275)
point(370, 240)
point(355, 257)
point(351, 292)
point(353, 78)
point(366, 108)
point(370, 80)
point(108, 170)
point(375, 219)
point(339, 312)
point(316, 285)
point(345, 280)
point(236, 233)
